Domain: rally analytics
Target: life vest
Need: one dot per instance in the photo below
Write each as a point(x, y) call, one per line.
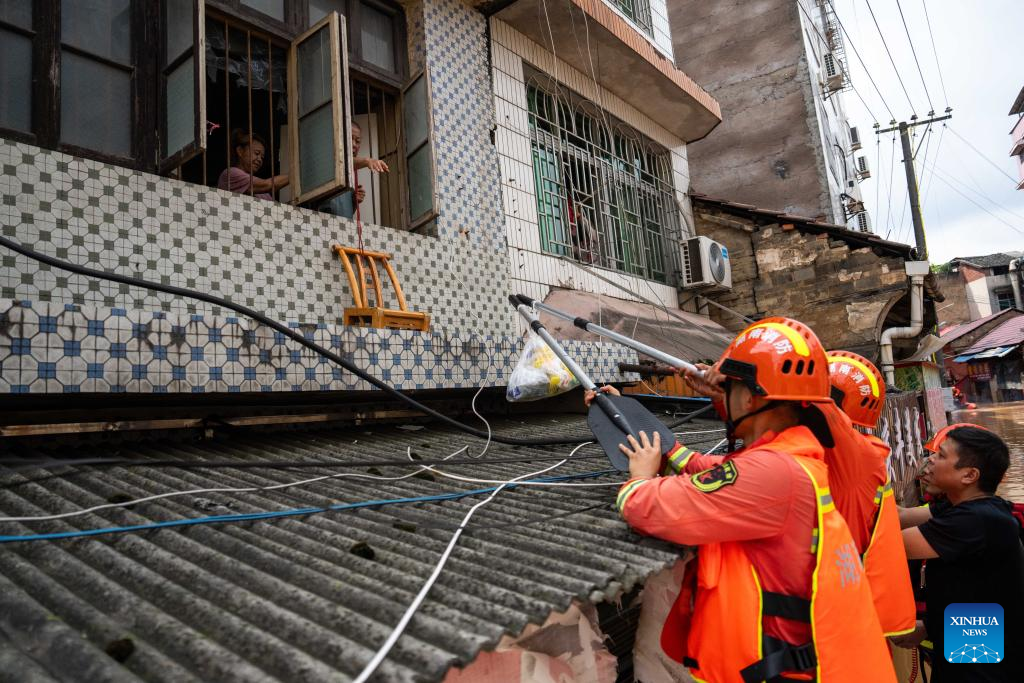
point(863, 493)
point(884, 561)
point(716, 629)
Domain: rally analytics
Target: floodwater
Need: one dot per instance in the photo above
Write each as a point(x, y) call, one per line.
point(1006, 420)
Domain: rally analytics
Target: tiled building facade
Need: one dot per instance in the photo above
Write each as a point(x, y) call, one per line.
point(61, 332)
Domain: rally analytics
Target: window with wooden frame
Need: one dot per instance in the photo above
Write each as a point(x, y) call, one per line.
point(242, 89)
point(182, 81)
point(319, 112)
point(161, 85)
point(74, 75)
point(417, 125)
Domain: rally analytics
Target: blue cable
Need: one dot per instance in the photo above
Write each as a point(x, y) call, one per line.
point(284, 513)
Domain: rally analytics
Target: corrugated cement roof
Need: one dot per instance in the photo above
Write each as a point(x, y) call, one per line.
point(305, 598)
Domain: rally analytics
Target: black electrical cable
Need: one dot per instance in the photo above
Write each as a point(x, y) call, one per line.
point(301, 339)
point(891, 60)
point(856, 52)
point(935, 52)
point(910, 40)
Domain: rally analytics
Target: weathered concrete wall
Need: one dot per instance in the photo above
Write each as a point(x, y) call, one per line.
point(750, 57)
point(842, 293)
point(955, 309)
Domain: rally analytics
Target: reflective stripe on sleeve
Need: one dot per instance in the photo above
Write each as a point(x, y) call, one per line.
point(679, 459)
point(626, 491)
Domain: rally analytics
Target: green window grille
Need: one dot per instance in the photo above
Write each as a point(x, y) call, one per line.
point(637, 11)
point(604, 191)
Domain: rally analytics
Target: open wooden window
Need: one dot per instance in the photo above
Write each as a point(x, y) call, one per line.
point(182, 81)
point(318, 111)
point(419, 155)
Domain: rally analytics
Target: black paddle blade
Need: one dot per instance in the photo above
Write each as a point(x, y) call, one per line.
point(639, 418)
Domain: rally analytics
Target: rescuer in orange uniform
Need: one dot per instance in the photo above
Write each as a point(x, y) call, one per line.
point(859, 477)
point(778, 588)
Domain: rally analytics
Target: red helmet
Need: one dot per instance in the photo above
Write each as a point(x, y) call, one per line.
point(780, 359)
point(860, 384)
point(940, 436)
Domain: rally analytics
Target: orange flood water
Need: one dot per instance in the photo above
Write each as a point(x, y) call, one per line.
point(1007, 420)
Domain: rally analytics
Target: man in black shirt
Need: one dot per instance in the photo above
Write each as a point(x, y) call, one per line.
point(972, 549)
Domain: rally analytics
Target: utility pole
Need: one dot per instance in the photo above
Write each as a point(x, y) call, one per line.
point(908, 163)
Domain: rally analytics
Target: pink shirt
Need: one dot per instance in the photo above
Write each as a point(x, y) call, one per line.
point(237, 180)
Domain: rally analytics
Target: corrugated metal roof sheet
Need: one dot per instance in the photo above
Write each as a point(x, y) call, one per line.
point(301, 598)
point(954, 333)
point(1010, 333)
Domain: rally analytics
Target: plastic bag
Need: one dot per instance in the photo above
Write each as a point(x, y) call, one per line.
point(539, 374)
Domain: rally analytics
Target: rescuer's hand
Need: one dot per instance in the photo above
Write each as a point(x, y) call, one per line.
point(644, 456)
point(911, 640)
point(589, 394)
point(709, 385)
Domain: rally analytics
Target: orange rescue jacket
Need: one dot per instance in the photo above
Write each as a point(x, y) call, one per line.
point(885, 561)
point(859, 479)
point(716, 624)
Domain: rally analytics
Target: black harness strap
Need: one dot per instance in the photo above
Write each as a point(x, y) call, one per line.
point(786, 606)
point(780, 656)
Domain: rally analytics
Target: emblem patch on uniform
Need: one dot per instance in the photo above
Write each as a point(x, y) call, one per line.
point(716, 477)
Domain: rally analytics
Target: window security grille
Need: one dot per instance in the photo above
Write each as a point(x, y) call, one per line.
point(637, 11)
point(604, 192)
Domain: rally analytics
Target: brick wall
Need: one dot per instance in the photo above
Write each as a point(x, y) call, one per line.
point(841, 292)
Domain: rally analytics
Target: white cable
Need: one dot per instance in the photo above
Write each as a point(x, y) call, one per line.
point(482, 419)
point(717, 446)
point(382, 653)
point(246, 489)
point(474, 480)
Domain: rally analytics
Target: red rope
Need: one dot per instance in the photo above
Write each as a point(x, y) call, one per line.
point(359, 223)
point(913, 665)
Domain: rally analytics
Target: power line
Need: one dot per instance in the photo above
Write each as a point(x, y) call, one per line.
point(856, 52)
point(972, 201)
point(927, 146)
point(984, 196)
point(936, 53)
point(938, 147)
point(892, 168)
point(861, 98)
point(891, 60)
point(913, 51)
point(878, 180)
point(923, 136)
point(983, 156)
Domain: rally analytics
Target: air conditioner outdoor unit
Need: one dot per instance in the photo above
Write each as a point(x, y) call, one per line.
point(854, 139)
point(864, 222)
point(862, 168)
point(833, 72)
point(706, 264)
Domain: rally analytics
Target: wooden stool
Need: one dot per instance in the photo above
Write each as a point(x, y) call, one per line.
point(364, 315)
